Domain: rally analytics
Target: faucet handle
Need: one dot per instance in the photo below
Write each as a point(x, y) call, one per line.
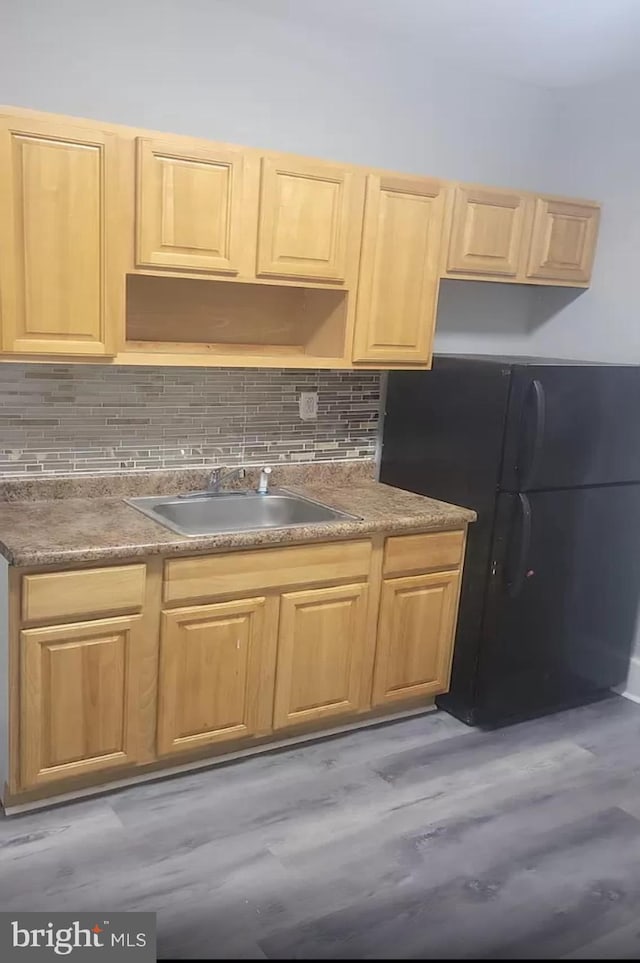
point(263, 483)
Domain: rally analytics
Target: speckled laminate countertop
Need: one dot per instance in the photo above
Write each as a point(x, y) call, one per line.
point(56, 530)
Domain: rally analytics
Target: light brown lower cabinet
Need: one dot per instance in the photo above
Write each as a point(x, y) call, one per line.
point(216, 673)
point(415, 636)
point(321, 645)
point(300, 650)
point(78, 699)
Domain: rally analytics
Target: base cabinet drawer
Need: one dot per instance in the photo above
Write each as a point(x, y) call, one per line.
point(321, 648)
point(216, 673)
point(415, 636)
point(89, 593)
point(78, 699)
point(405, 554)
point(264, 570)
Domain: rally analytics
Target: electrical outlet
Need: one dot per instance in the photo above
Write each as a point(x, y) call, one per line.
point(308, 405)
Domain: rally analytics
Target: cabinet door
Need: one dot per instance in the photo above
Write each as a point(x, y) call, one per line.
point(61, 284)
point(415, 636)
point(310, 220)
point(216, 673)
point(321, 647)
point(563, 242)
point(78, 699)
point(190, 206)
point(398, 285)
point(487, 232)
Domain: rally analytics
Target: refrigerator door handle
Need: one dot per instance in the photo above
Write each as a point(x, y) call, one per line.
point(516, 580)
point(528, 461)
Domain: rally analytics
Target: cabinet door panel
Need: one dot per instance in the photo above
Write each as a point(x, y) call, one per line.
point(415, 636)
point(320, 654)
point(310, 220)
point(62, 291)
point(78, 699)
point(189, 206)
point(216, 674)
point(487, 232)
point(563, 241)
point(398, 285)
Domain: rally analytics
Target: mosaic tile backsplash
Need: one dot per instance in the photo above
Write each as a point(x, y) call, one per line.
point(57, 418)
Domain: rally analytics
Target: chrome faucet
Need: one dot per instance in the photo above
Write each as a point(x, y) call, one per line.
point(218, 477)
point(263, 483)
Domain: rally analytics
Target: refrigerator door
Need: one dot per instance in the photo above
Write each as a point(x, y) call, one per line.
point(562, 604)
point(444, 430)
point(443, 436)
point(570, 426)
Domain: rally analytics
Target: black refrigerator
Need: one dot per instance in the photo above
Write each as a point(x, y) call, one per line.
point(548, 454)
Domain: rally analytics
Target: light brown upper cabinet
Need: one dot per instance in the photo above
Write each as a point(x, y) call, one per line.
point(310, 220)
point(190, 207)
point(159, 249)
point(563, 240)
point(61, 280)
point(398, 283)
point(487, 231)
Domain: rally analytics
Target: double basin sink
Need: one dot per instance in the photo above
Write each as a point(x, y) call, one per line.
point(236, 511)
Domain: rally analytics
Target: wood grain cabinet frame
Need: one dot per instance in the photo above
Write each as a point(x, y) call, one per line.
point(61, 242)
point(487, 231)
point(216, 673)
point(78, 698)
point(321, 653)
point(190, 210)
point(273, 643)
point(310, 220)
point(90, 593)
point(563, 240)
point(431, 551)
point(87, 209)
point(415, 636)
point(399, 270)
point(265, 569)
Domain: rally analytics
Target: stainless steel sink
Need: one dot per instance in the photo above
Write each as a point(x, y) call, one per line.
point(236, 512)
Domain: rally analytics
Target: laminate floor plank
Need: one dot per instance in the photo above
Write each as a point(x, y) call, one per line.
point(563, 882)
point(622, 943)
point(419, 838)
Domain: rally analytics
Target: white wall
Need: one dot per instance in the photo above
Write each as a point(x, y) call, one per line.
point(214, 68)
point(597, 155)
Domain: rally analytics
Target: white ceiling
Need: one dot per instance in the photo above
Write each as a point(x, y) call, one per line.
point(546, 42)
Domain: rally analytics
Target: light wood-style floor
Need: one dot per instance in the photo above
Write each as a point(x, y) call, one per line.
point(416, 839)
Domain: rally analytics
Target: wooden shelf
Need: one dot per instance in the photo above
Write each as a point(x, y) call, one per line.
point(181, 316)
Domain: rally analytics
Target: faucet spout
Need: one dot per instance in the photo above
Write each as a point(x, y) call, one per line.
point(218, 477)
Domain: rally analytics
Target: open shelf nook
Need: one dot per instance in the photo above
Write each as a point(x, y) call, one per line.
point(186, 315)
